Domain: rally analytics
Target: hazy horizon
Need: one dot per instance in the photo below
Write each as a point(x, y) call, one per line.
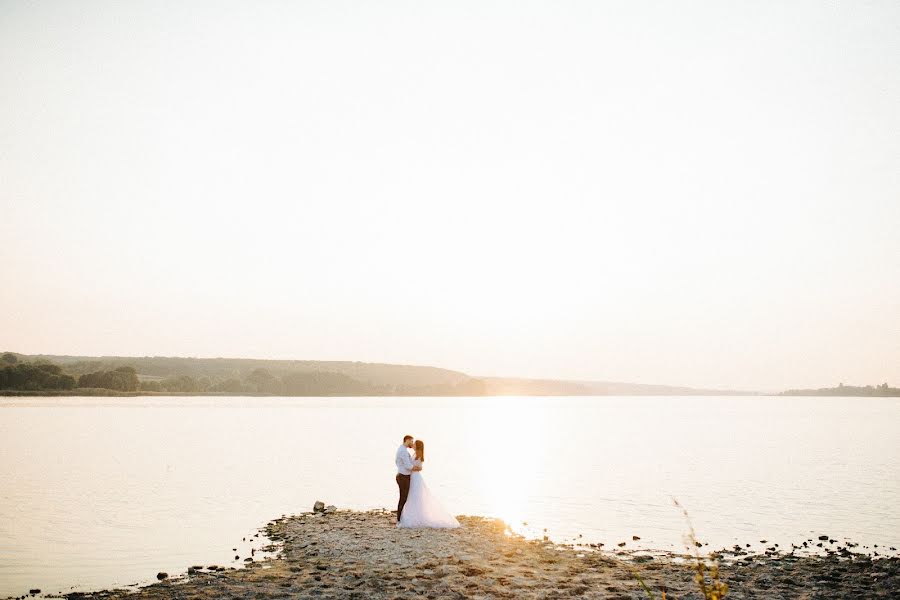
point(697, 194)
point(511, 376)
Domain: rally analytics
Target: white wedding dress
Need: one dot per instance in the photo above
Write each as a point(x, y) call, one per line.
point(422, 509)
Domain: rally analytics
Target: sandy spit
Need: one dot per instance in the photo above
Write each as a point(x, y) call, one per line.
point(362, 555)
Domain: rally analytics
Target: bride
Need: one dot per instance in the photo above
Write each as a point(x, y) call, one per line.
point(422, 509)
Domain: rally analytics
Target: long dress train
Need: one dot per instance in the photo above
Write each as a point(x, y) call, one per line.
point(422, 508)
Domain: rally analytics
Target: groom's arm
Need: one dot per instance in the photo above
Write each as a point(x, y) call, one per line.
point(406, 459)
point(411, 465)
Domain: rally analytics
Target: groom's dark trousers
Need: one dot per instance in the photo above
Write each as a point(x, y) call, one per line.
point(403, 483)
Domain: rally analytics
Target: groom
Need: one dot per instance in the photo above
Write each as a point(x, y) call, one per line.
point(405, 468)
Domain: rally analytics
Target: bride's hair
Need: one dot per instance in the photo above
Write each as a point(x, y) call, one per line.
point(420, 450)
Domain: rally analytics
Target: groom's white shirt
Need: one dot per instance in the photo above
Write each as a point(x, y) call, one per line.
point(404, 461)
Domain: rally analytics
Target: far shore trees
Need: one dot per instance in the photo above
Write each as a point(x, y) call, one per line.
point(883, 390)
point(44, 374)
point(123, 379)
point(35, 376)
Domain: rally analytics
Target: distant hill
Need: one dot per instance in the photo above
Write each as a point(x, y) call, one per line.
point(167, 366)
point(156, 375)
point(289, 377)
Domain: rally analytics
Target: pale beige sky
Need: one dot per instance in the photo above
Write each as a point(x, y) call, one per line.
point(696, 193)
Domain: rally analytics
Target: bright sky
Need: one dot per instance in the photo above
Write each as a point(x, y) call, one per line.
point(692, 193)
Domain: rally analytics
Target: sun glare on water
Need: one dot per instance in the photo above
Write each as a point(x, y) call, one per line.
point(516, 429)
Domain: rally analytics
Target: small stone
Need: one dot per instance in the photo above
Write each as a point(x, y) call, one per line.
point(635, 538)
point(162, 575)
point(319, 506)
point(34, 591)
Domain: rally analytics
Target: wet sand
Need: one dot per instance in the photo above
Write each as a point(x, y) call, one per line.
point(361, 555)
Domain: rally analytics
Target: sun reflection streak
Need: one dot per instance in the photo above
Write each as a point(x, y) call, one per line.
point(511, 433)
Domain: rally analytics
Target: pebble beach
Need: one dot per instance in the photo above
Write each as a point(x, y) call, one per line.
point(362, 555)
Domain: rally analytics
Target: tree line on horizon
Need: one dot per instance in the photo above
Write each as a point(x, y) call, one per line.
point(43, 375)
point(17, 375)
point(161, 375)
point(882, 390)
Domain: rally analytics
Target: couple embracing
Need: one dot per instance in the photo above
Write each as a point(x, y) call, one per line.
point(417, 506)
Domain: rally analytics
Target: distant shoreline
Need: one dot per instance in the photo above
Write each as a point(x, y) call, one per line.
point(117, 393)
point(100, 393)
point(82, 392)
point(124, 376)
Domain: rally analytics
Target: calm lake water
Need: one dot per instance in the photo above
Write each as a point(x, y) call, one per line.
point(101, 492)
